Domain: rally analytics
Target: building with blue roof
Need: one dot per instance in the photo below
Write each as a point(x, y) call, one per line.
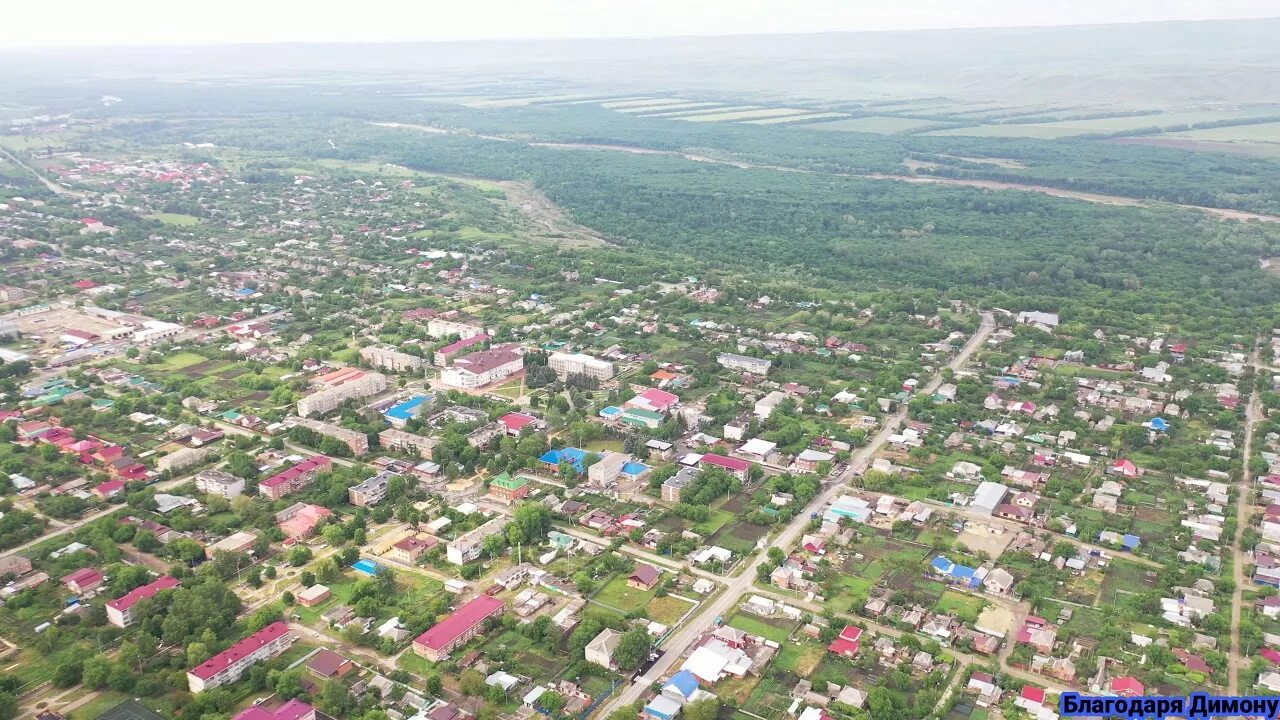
point(1130, 541)
point(960, 574)
point(399, 415)
point(682, 686)
point(1158, 424)
point(553, 458)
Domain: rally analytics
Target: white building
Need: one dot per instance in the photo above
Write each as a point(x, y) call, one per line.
point(484, 367)
point(565, 364)
point(438, 328)
point(391, 359)
point(467, 547)
point(743, 363)
point(319, 403)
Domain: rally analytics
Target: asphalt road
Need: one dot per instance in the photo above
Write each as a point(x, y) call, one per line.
point(737, 585)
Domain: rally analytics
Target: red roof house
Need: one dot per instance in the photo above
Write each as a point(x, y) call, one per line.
point(109, 489)
point(120, 610)
point(83, 580)
point(515, 422)
point(1127, 686)
point(847, 643)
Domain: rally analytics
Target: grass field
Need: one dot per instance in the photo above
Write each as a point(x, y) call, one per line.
point(757, 626)
point(176, 219)
point(666, 610)
point(745, 115)
point(881, 124)
point(180, 360)
point(668, 108)
point(965, 607)
point(1262, 132)
point(800, 659)
point(618, 595)
point(796, 118)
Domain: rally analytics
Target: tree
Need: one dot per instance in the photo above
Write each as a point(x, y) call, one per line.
point(553, 702)
point(97, 671)
point(300, 555)
point(67, 673)
point(471, 683)
point(632, 650)
point(288, 598)
point(705, 709)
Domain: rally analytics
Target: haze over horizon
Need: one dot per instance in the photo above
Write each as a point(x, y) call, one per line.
point(81, 23)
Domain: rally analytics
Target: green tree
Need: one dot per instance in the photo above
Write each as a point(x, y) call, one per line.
point(632, 650)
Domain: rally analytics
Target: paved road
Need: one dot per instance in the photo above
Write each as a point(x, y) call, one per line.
point(1253, 413)
point(736, 586)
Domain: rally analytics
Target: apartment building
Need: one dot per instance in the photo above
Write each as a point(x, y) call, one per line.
point(219, 483)
point(440, 328)
point(372, 491)
point(565, 364)
point(227, 666)
point(355, 384)
point(357, 441)
point(743, 363)
point(391, 359)
point(467, 547)
point(454, 631)
point(120, 610)
point(393, 439)
point(446, 353)
point(295, 478)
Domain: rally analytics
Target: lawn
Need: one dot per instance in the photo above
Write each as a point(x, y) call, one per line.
point(759, 626)
point(180, 360)
point(666, 610)
point(800, 659)
point(619, 596)
point(965, 607)
point(599, 446)
point(718, 519)
point(175, 219)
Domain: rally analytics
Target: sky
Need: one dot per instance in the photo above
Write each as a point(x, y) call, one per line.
point(62, 23)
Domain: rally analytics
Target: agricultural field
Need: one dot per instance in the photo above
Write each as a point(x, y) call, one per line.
point(880, 124)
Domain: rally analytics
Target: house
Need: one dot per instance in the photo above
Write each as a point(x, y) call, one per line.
point(120, 610)
point(14, 565)
point(109, 490)
point(847, 643)
point(516, 422)
point(740, 468)
point(601, 648)
point(808, 460)
point(408, 550)
point(1124, 467)
point(654, 400)
point(998, 582)
point(454, 631)
point(292, 710)
point(1127, 687)
point(84, 580)
point(328, 665)
point(674, 485)
point(645, 577)
point(227, 666)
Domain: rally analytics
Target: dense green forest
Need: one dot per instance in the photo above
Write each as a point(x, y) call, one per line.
point(1092, 165)
point(836, 231)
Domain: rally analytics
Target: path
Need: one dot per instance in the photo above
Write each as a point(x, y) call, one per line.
point(53, 186)
point(1253, 413)
point(1098, 198)
point(736, 586)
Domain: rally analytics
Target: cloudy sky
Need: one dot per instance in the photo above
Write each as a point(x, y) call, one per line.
point(52, 23)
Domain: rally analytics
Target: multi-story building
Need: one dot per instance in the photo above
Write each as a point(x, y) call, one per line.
point(408, 550)
point(446, 353)
point(393, 439)
point(222, 484)
point(484, 367)
point(565, 364)
point(674, 485)
point(467, 546)
point(744, 363)
point(299, 520)
point(357, 441)
point(607, 468)
point(454, 631)
point(227, 666)
point(295, 478)
point(391, 359)
point(354, 384)
point(120, 610)
point(507, 489)
point(440, 328)
point(372, 491)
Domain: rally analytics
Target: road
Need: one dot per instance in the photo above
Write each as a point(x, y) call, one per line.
point(1253, 413)
point(72, 527)
point(736, 586)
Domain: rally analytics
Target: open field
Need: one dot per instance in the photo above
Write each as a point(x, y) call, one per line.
point(881, 124)
point(745, 115)
point(795, 118)
point(1261, 132)
point(667, 108)
point(619, 596)
point(176, 219)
